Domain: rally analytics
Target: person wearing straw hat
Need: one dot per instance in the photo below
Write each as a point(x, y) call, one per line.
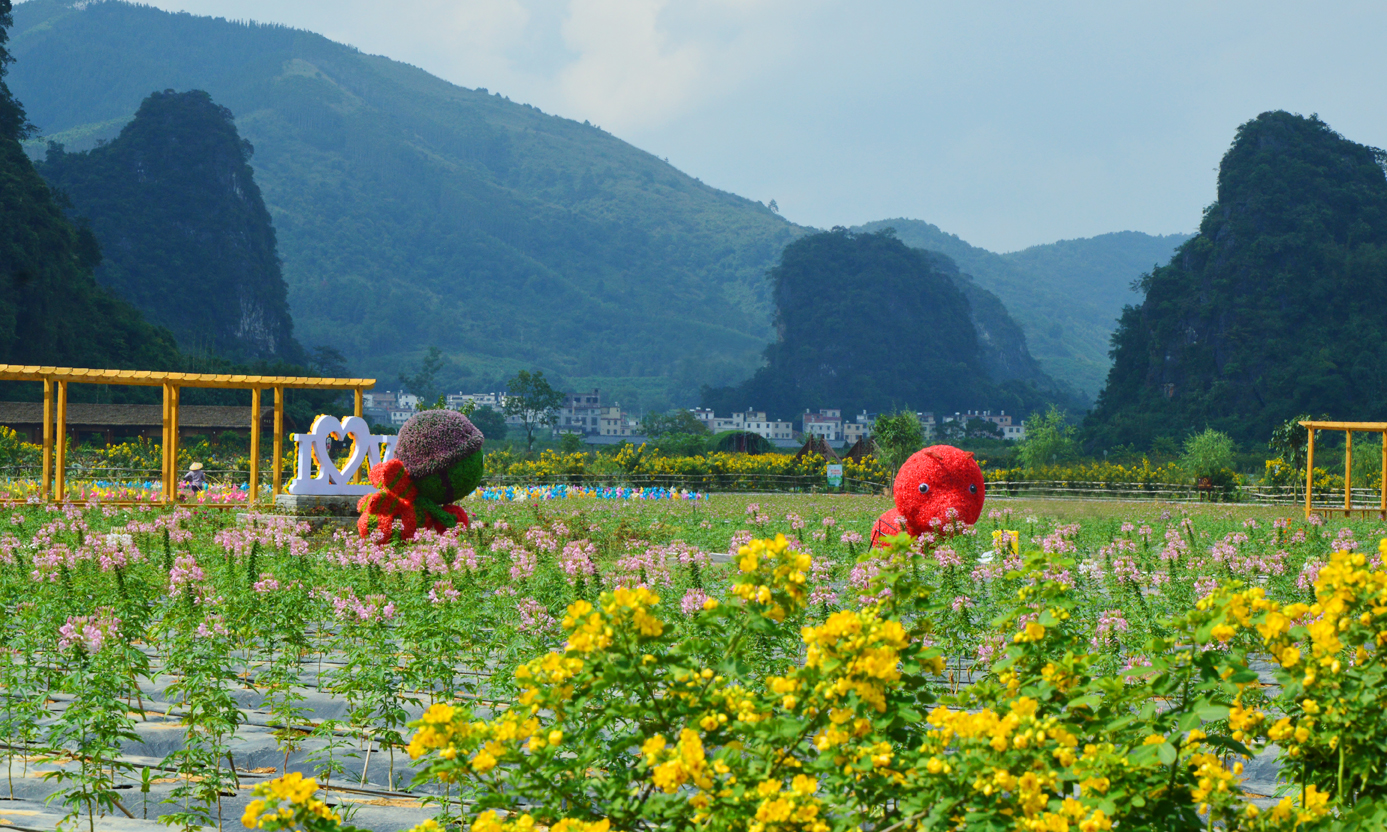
point(195, 479)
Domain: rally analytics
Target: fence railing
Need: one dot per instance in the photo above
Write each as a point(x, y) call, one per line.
point(1363, 499)
point(1325, 498)
point(739, 482)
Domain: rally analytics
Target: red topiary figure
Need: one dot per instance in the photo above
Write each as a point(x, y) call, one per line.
point(930, 483)
point(437, 461)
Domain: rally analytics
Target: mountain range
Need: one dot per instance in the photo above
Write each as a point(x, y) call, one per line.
point(411, 212)
point(183, 231)
point(1066, 296)
point(1274, 309)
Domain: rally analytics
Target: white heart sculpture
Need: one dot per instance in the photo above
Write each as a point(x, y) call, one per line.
point(314, 447)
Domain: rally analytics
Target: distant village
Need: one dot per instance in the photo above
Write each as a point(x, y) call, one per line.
point(585, 415)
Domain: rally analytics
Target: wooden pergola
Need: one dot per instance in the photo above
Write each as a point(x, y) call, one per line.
point(56, 379)
point(1349, 428)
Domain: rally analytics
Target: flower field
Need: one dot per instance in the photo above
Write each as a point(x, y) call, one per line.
point(722, 663)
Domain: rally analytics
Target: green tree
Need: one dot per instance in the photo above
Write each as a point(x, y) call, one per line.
point(897, 436)
point(983, 429)
point(1290, 441)
point(1208, 454)
point(423, 382)
point(678, 421)
point(1050, 440)
point(676, 433)
point(328, 362)
point(490, 421)
point(536, 403)
point(14, 126)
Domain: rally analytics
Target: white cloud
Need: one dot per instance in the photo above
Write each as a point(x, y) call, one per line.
point(628, 73)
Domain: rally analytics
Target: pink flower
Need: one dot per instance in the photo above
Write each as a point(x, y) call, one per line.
point(87, 633)
point(821, 582)
point(523, 564)
point(185, 571)
point(1110, 623)
point(443, 592)
point(692, 601)
point(534, 617)
point(577, 559)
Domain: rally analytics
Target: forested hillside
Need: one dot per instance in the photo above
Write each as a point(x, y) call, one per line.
point(51, 309)
point(905, 336)
point(1067, 296)
point(412, 212)
point(183, 231)
point(1275, 308)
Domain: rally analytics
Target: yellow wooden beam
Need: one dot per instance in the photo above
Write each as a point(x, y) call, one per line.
point(1361, 426)
point(254, 490)
point(44, 491)
point(60, 462)
point(16, 372)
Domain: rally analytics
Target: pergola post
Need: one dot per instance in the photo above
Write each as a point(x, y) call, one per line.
point(356, 411)
point(253, 491)
point(60, 462)
point(166, 475)
point(173, 443)
point(1382, 509)
point(279, 440)
point(1348, 472)
point(47, 474)
point(1309, 472)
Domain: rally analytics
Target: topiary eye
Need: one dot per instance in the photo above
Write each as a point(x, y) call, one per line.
point(973, 488)
point(924, 488)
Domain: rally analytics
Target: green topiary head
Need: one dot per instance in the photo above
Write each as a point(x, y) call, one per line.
point(453, 483)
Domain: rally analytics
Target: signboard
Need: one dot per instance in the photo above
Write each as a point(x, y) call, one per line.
point(835, 476)
point(315, 450)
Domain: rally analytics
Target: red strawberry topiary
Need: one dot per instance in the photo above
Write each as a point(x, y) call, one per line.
point(929, 485)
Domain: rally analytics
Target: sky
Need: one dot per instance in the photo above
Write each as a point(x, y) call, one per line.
point(1010, 124)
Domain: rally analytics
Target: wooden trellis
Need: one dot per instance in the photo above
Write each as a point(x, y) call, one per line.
point(1349, 429)
point(56, 379)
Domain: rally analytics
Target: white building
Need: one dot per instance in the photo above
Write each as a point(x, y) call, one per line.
point(612, 422)
point(859, 427)
point(750, 421)
point(495, 401)
point(827, 423)
point(581, 413)
point(1009, 430)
